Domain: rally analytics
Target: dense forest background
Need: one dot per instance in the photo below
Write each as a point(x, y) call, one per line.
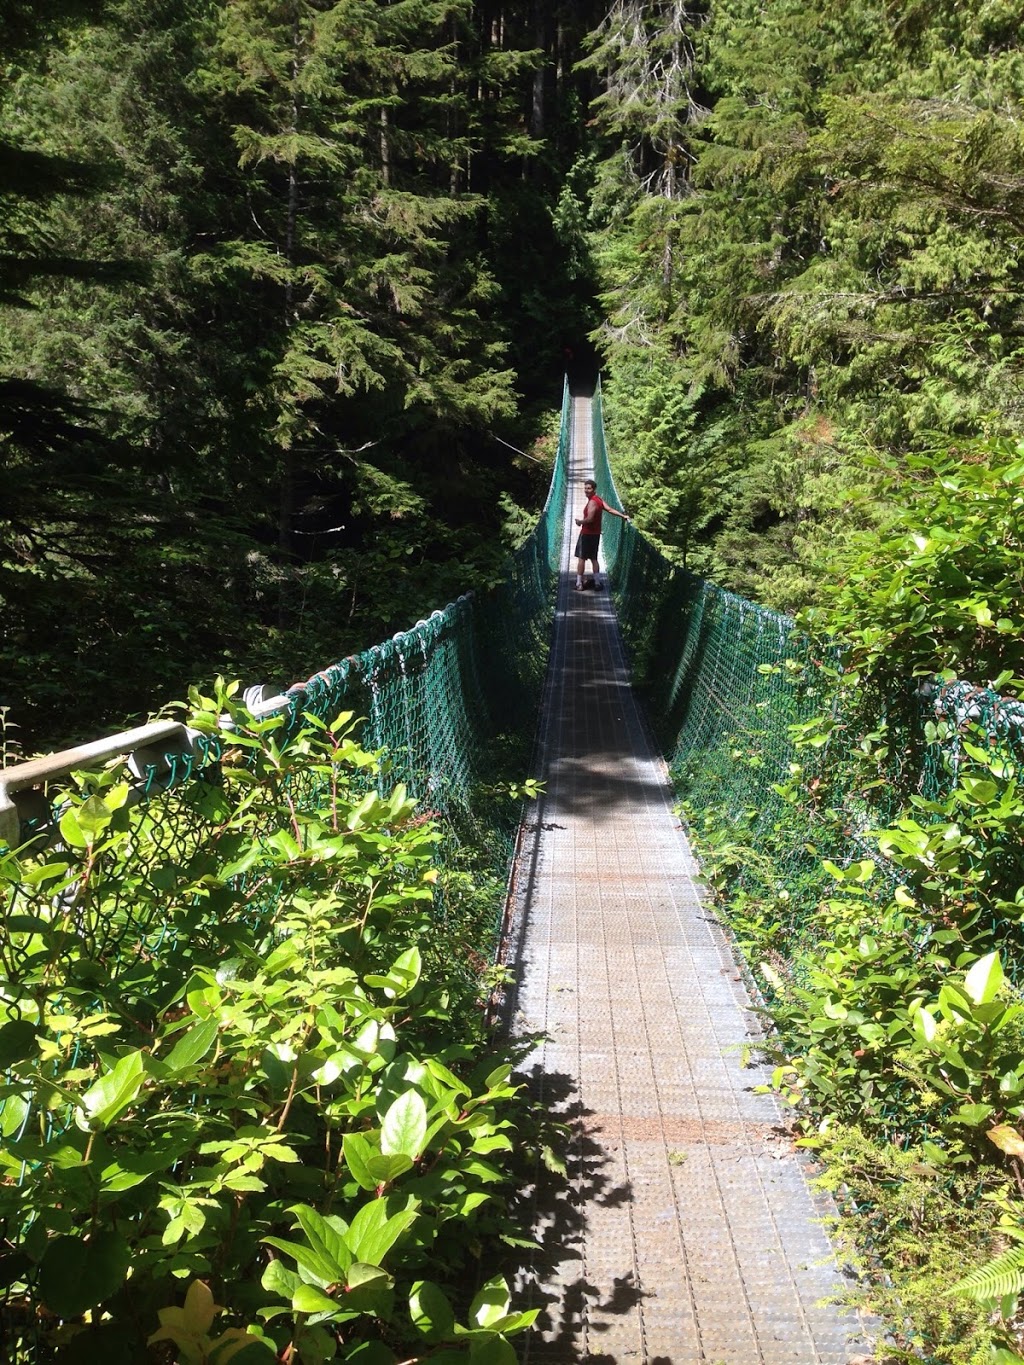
point(283, 282)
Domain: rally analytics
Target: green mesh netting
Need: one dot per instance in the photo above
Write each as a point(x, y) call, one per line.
point(724, 679)
point(446, 702)
point(436, 697)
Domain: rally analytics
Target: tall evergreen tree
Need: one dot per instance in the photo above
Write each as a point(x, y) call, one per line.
point(842, 275)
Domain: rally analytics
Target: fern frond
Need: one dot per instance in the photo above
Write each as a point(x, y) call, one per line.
point(999, 1278)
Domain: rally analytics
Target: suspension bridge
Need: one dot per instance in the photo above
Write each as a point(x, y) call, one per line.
point(693, 1233)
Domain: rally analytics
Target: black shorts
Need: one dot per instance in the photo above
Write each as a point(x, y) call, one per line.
point(586, 546)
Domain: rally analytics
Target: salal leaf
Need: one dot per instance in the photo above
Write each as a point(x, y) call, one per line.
point(373, 1232)
point(924, 1024)
point(112, 1094)
point(404, 1128)
point(359, 1152)
point(491, 1303)
point(278, 1279)
point(193, 1046)
point(325, 1256)
point(384, 1169)
point(985, 979)
point(432, 1314)
point(516, 1322)
point(440, 1072)
point(403, 976)
point(492, 1350)
point(308, 1299)
point(369, 1290)
point(17, 1042)
point(76, 1275)
point(974, 1114)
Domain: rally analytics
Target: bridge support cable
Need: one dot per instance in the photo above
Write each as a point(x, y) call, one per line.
point(692, 1235)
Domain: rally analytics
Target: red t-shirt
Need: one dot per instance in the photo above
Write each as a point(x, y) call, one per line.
point(594, 506)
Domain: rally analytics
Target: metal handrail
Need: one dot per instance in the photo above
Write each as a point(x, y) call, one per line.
point(139, 744)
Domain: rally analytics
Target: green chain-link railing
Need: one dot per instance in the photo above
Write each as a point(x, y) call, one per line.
point(437, 696)
point(724, 680)
point(447, 702)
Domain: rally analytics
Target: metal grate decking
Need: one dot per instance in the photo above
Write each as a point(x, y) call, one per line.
point(691, 1235)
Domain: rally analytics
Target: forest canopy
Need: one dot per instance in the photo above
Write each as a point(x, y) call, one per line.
point(286, 284)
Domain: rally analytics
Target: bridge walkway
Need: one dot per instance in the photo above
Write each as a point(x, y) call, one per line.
point(691, 1236)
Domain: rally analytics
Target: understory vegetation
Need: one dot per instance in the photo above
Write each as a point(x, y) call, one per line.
point(253, 1106)
point(877, 891)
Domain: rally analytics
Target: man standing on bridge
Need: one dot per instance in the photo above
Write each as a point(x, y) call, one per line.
point(590, 534)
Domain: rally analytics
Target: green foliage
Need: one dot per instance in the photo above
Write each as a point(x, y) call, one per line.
point(251, 384)
point(913, 1233)
point(940, 592)
point(859, 818)
point(237, 1062)
point(834, 272)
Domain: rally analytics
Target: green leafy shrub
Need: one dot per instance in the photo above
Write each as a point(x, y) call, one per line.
point(235, 1065)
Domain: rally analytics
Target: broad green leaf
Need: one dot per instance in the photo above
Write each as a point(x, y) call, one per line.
point(516, 1322)
point(494, 1350)
point(974, 1114)
point(924, 1024)
point(310, 1262)
point(203, 999)
point(370, 1290)
point(432, 1314)
point(71, 831)
point(278, 1279)
point(985, 979)
point(93, 817)
point(193, 1046)
point(76, 1275)
point(491, 1303)
point(980, 789)
point(358, 1153)
point(17, 1041)
point(360, 1274)
point(328, 1237)
point(384, 1169)
point(13, 1113)
point(405, 1126)
point(308, 1299)
point(113, 1093)
point(405, 971)
point(373, 1233)
point(446, 1077)
point(316, 1346)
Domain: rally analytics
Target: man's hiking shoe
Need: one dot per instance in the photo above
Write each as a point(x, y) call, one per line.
point(598, 587)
